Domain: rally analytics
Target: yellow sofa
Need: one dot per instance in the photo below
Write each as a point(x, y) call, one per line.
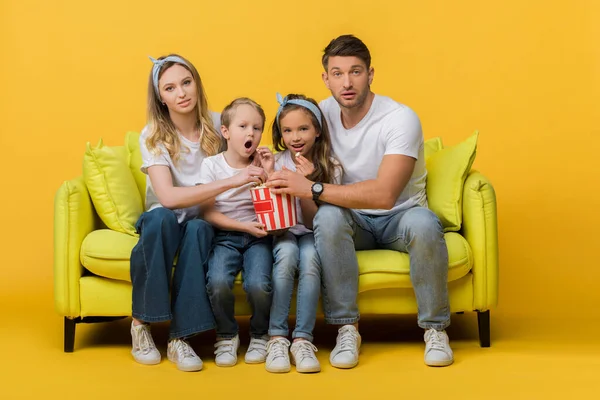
point(91, 262)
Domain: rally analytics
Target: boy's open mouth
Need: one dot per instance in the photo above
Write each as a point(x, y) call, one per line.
point(248, 144)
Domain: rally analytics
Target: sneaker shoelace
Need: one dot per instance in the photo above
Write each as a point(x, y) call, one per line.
point(277, 348)
point(347, 338)
point(224, 346)
point(305, 349)
point(145, 342)
point(184, 350)
point(435, 339)
point(259, 345)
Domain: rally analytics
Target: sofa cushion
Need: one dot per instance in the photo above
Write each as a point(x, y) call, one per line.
point(134, 160)
point(112, 188)
point(447, 170)
point(432, 146)
point(106, 253)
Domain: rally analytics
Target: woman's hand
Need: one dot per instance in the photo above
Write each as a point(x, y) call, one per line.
point(249, 174)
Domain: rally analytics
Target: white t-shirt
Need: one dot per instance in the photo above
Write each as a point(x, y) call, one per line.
point(234, 203)
point(184, 174)
point(285, 158)
point(388, 128)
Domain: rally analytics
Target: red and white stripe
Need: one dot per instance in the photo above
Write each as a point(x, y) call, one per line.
point(274, 211)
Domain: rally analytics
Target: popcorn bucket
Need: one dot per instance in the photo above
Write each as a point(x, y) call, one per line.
point(275, 211)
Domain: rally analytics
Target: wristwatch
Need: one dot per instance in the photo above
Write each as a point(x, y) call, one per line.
point(317, 190)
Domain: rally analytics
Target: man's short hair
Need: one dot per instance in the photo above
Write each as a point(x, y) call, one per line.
point(346, 46)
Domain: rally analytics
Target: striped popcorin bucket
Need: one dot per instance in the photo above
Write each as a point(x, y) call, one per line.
point(275, 211)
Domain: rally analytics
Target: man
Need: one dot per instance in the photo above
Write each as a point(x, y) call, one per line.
point(381, 204)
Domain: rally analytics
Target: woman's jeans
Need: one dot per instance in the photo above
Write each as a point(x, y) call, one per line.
point(232, 252)
point(295, 254)
point(161, 236)
point(416, 231)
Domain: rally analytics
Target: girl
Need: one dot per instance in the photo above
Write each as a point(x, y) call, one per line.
point(241, 242)
point(300, 134)
point(179, 135)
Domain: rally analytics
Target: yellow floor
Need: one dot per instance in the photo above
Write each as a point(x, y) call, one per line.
point(529, 359)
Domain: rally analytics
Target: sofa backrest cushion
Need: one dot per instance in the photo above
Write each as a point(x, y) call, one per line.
point(134, 160)
point(447, 170)
point(112, 187)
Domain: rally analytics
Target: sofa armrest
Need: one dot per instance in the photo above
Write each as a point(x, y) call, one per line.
point(480, 229)
point(74, 218)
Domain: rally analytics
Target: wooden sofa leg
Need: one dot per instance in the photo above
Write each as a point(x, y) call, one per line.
point(70, 334)
point(483, 320)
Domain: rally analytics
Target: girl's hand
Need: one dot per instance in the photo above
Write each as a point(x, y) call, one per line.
point(250, 174)
point(255, 229)
point(266, 158)
point(304, 166)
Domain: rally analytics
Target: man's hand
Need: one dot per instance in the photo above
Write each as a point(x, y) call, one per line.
point(255, 229)
point(304, 166)
point(290, 182)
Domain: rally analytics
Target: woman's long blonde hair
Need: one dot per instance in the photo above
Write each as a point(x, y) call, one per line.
point(163, 131)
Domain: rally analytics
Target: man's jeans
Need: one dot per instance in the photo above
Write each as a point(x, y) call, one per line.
point(295, 253)
point(152, 258)
point(232, 252)
point(416, 231)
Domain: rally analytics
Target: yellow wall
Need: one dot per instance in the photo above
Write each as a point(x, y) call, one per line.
point(524, 73)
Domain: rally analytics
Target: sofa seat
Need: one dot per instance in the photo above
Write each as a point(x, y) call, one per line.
point(106, 253)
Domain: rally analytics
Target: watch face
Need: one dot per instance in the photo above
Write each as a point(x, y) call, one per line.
point(318, 188)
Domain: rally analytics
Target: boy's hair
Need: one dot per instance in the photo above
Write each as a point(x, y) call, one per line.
point(229, 111)
point(162, 129)
point(322, 157)
point(346, 46)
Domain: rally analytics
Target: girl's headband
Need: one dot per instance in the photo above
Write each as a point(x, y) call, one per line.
point(299, 102)
point(158, 64)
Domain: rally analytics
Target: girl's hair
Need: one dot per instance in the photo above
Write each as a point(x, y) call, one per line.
point(322, 157)
point(229, 111)
point(162, 129)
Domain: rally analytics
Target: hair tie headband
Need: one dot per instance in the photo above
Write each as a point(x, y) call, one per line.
point(299, 102)
point(158, 64)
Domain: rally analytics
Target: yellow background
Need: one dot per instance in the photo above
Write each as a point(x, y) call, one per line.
point(526, 74)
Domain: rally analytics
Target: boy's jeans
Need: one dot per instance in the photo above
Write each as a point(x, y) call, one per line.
point(152, 258)
point(295, 253)
point(232, 252)
point(416, 231)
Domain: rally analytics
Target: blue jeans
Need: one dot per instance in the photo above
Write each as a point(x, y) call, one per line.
point(232, 252)
point(295, 254)
point(152, 258)
point(416, 231)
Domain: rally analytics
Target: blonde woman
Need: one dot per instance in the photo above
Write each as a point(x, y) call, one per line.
point(179, 135)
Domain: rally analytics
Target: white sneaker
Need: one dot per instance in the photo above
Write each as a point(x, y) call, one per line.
point(226, 351)
point(181, 353)
point(437, 349)
point(347, 347)
point(257, 350)
point(143, 348)
point(304, 358)
point(278, 358)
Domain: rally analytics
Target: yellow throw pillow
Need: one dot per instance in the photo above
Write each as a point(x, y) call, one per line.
point(447, 170)
point(112, 188)
point(132, 143)
point(431, 146)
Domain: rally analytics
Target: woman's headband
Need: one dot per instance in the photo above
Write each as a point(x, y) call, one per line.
point(299, 102)
point(158, 64)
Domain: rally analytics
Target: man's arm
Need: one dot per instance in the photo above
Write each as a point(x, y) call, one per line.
point(380, 193)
